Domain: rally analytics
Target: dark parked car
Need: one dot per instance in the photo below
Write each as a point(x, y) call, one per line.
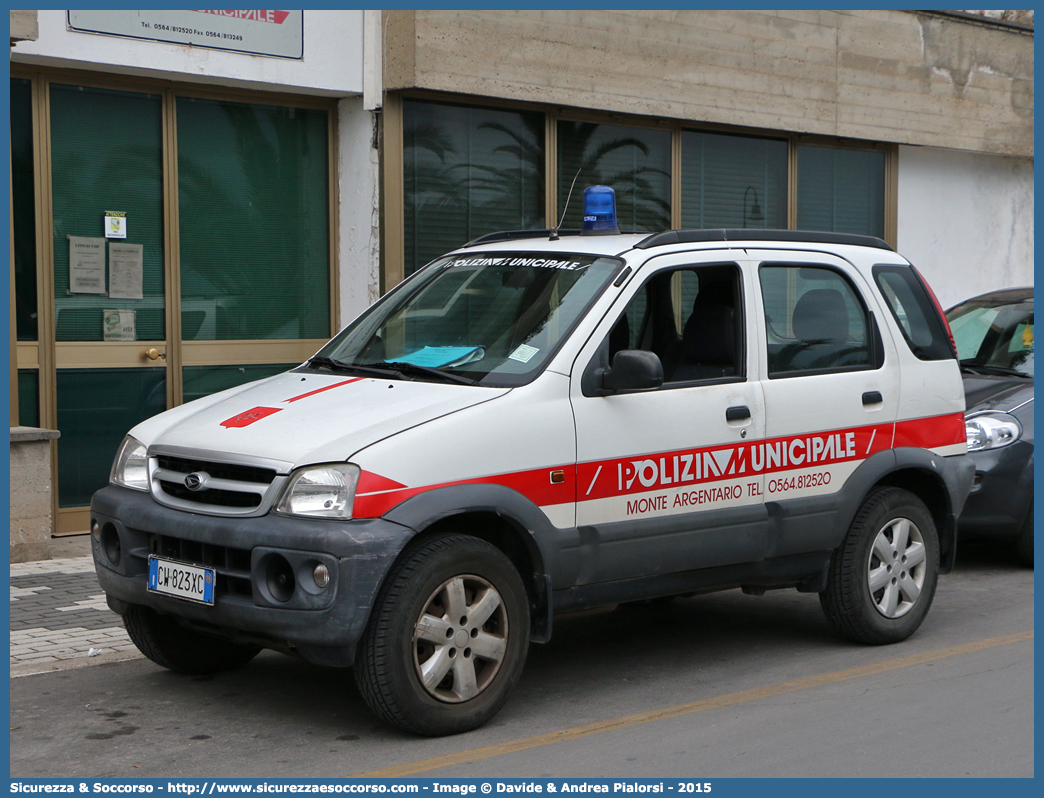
point(994, 336)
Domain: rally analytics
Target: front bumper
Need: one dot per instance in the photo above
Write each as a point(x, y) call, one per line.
point(1001, 494)
point(321, 624)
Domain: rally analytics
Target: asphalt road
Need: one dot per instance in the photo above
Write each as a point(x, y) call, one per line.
point(723, 685)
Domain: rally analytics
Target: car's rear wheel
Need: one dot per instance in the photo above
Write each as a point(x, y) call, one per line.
point(1024, 542)
point(882, 578)
point(169, 644)
point(447, 639)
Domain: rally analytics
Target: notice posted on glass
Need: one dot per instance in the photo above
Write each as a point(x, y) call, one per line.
point(86, 265)
point(125, 270)
point(118, 325)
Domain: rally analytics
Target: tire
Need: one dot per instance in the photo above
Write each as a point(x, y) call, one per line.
point(169, 644)
point(869, 599)
point(415, 630)
point(1024, 542)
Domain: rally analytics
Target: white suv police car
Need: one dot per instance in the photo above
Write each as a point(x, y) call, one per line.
point(544, 422)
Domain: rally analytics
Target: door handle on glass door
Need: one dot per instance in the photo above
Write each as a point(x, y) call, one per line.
point(154, 354)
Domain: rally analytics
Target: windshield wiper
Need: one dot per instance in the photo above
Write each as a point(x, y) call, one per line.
point(400, 366)
point(1002, 371)
point(338, 365)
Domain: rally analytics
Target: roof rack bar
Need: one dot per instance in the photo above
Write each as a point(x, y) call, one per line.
point(811, 236)
point(507, 235)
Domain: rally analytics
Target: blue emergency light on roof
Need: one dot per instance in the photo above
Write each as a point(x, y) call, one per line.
point(599, 211)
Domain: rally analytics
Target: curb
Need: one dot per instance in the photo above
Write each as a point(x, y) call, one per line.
point(37, 668)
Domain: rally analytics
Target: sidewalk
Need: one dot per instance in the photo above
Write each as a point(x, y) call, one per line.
point(58, 615)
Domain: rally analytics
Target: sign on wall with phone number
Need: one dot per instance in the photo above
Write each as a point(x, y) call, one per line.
point(271, 33)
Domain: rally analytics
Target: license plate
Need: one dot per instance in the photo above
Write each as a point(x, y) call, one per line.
point(181, 580)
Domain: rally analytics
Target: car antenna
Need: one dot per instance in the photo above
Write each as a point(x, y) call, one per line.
point(554, 232)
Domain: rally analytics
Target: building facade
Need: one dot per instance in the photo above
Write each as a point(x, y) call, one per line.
point(275, 195)
point(243, 179)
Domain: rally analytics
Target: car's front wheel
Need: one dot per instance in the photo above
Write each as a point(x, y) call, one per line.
point(883, 576)
point(447, 639)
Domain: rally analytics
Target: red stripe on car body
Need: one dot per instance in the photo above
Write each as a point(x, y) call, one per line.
point(584, 482)
point(375, 483)
point(931, 433)
point(535, 485)
point(320, 390)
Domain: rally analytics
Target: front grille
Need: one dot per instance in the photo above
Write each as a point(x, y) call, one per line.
point(232, 566)
point(223, 488)
point(219, 498)
point(233, 471)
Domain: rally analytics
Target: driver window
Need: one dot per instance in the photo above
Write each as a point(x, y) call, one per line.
point(691, 319)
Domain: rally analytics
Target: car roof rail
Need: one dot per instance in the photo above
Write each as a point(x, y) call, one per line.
point(722, 234)
point(507, 235)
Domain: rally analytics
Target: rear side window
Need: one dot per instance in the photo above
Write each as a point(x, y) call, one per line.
point(815, 322)
point(913, 311)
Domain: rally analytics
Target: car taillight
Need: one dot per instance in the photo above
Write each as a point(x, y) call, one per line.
point(938, 309)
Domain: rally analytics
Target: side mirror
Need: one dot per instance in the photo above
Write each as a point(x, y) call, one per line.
point(633, 370)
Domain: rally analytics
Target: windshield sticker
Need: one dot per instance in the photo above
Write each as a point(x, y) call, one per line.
point(568, 264)
point(524, 353)
point(435, 357)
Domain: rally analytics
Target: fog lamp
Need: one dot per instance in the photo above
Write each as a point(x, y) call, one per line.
point(321, 575)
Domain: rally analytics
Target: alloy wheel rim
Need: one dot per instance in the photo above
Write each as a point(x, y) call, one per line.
point(460, 639)
point(896, 568)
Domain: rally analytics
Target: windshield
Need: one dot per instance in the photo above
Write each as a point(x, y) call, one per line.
point(994, 338)
point(493, 318)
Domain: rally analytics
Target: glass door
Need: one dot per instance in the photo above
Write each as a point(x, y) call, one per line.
point(189, 252)
point(109, 280)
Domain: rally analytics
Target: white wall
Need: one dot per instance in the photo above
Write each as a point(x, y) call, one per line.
point(332, 62)
point(358, 187)
point(966, 220)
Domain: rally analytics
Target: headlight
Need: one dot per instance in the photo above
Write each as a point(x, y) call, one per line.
point(131, 466)
point(991, 431)
point(326, 491)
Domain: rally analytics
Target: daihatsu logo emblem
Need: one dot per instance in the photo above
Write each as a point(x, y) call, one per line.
point(196, 481)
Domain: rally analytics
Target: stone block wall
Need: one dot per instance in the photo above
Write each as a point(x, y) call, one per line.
point(31, 520)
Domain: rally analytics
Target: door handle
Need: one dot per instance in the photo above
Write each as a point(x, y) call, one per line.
point(737, 413)
point(154, 354)
point(872, 398)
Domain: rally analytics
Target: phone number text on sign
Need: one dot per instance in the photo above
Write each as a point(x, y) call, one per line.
point(799, 482)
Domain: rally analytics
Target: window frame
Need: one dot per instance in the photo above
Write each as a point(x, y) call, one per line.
point(392, 270)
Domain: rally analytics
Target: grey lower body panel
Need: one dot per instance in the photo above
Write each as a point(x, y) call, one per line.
point(806, 572)
point(322, 625)
point(1002, 493)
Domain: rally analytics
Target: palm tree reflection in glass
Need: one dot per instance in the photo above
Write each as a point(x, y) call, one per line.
point(465, 180)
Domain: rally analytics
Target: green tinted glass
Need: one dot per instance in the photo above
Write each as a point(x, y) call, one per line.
point(200, 381)
point(28, 398)
point(634, 162)
point(96, 408)
point(23, 210)
point(107, 155)
point(733, 181)
point(254, 217)
point(840, 191)
point(468, 172)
